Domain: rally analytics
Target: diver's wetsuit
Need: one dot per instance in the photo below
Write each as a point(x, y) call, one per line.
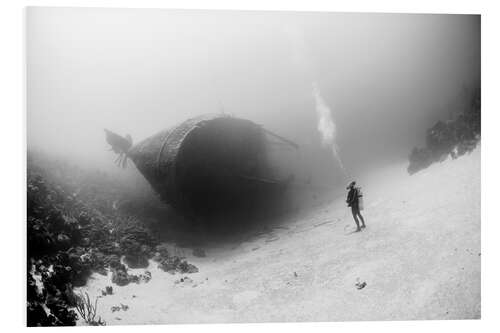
point(353, 202)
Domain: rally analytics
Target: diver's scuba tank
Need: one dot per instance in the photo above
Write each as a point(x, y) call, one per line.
point(360, 199)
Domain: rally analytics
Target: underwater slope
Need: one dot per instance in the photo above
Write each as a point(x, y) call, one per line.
point(419, 256)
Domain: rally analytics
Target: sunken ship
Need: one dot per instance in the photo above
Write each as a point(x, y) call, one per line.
point(208, 165)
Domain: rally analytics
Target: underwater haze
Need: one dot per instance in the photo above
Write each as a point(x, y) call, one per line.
point(355, 91)
point(190, 166)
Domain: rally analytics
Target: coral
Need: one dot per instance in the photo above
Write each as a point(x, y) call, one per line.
point(120, 277)
point(174, 265)
point(74, 229)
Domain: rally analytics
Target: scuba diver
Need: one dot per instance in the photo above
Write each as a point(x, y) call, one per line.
point(354, 200)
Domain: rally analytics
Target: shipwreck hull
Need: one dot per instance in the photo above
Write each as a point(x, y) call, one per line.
point(208, 165)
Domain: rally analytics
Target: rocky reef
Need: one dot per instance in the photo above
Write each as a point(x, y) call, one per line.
point(74, 229)
point(453, 137)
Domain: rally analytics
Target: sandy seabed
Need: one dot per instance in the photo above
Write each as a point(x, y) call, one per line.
point(419, 256)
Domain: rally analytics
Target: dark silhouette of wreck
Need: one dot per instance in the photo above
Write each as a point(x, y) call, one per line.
point(208, 166)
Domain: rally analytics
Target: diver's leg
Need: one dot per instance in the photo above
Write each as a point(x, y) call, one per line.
point(362, 219)
point(353, 209)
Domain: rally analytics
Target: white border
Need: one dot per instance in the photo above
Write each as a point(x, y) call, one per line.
point(12, 200)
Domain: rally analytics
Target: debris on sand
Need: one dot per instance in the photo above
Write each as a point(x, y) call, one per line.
point(360, 285)
point(107, 291)
point(185, 279)
point(121, 307)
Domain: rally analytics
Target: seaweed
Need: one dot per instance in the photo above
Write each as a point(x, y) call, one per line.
point(88, 311)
